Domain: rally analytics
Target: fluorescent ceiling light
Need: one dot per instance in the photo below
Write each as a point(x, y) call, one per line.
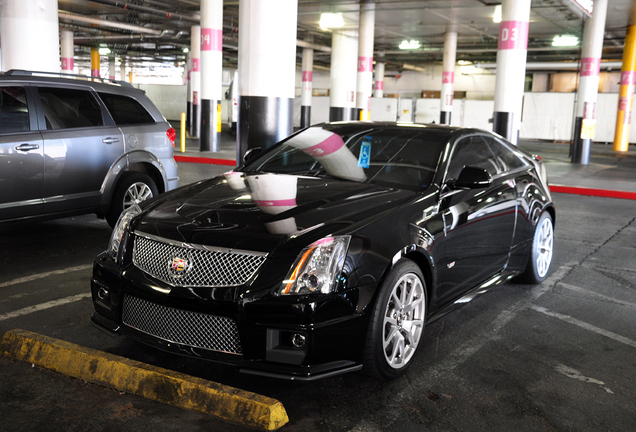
point(565, 41)
point(104, 51)
point(331, 20)
point(186, 50)
point(496, 18)
point(412, 44)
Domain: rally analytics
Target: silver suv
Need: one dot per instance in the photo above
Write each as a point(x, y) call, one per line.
point(71, 146)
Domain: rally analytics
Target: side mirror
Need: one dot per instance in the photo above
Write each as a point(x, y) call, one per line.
point(251, 154)
point(473, 178)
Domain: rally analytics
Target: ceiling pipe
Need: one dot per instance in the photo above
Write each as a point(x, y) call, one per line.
point(411, 67)
point(146, 9)
point(554, 65)
point(107, 23)
point(303, 44)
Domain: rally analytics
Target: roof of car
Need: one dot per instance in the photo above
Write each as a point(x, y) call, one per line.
point(66, 79)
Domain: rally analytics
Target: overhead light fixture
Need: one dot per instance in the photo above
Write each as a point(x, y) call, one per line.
point(331, 20)
point(464, 62)
point(104, 51)
point(408, 45)
point(565, 41)
point(186, 50)
point(496, 18)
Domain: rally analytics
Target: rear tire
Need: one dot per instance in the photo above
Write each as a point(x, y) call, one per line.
point(133, 188)
point(541, 251)
point(397, 323)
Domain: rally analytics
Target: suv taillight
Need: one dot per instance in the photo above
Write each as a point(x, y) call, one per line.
point(172, 135)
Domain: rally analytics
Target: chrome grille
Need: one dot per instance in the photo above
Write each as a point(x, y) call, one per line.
point(183, 327)
point(186, 265)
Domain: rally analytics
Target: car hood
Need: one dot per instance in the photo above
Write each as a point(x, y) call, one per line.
point(265, 211)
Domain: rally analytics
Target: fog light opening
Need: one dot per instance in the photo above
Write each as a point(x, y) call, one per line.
point(298, 340)
point(102, 293)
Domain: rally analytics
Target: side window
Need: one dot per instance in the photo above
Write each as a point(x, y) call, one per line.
point(472, 151)
point(505, 157)
point(69, 108)
point(125, 110)
point(14, 112)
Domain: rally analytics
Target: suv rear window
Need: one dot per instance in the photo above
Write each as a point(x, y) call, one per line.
point(14, 113)
point(69, 108)
point(126, 110)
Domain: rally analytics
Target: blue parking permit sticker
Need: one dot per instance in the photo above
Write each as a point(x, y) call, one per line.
point(365, 154)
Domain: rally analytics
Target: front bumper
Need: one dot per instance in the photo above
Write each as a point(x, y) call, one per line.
point(290, 337)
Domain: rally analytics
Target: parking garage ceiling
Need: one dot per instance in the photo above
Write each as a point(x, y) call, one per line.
point(157, 31)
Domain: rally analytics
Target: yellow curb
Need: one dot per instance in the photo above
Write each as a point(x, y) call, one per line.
point(234, 405)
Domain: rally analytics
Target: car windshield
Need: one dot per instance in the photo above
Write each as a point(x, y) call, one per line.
point(404, 157)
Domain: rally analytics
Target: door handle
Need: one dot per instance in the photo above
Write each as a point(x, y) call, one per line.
point(110, 140)
point(27, 147)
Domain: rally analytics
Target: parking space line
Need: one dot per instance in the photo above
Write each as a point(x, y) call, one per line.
point(584, 325)
point(44, 275)
point(43, 306)
point(595, 294)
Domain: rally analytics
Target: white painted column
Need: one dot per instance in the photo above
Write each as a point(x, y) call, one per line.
point(188, 68)
point(267, 72)
point(29, 31)
point(211, 73)
point(68, 51)
point(592, 50)
point(364, 84)
point(448, 77)
point(511, 67)
point(112, 73)
point(306, 87)
point(122, 69)
point(344, 65)
point(379, 80)
point(195, 80)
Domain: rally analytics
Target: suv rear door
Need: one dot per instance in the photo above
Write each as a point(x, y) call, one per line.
point(81, 143)
point(21, 154)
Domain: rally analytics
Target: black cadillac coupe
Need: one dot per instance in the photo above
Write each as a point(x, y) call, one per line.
point(328, 252)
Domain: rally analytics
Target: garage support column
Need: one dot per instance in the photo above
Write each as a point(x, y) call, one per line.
point(585, 121)
point(626, 90)
point(306, 87)
point(122, 69)
point(95, 62)
point(68, 51)
point(364, 84)
point(29, 31)
point(511, 68)
point(266, 93)
point(188, 68)
point(211, 73)
point(379, 80)
point(344, 50)
point(448, 76)
point(112, 74)
point(195, 80)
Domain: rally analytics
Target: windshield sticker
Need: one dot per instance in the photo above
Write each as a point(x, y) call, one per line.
point(365, 153)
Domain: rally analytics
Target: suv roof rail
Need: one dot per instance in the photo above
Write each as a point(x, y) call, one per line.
point(19, 72)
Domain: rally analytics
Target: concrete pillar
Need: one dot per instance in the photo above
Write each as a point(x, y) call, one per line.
point(306, 87)
point(122, 69)
point(112, 73)
point(379, 80)
point(344, 66)
point(188, 67)
point(626, 90)
point(364, 84)
point(267, 72)
point(448, 76)
point(95, 65)
point(511, 67)
point(29, 30)
point(211, 73)
point(585, 121)
point(195, 80)
point(68, 51)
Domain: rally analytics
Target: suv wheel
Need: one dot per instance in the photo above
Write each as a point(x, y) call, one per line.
point(133, 188)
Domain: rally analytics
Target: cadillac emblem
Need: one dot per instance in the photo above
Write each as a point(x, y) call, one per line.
point(179, 266)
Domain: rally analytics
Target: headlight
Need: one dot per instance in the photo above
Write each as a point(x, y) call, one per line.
point(124, 219)
point(317, 267)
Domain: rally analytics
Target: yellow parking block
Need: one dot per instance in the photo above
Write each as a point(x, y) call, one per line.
point(173, 388)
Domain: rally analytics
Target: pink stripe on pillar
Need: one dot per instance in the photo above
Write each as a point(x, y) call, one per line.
point(196, 65)
point(590, 66)
point(448, 77)
point(95, 73)
point(379, 85)
point(328, 146)
point(67, 63)
point(308, 75)
point(211, 39)
point(627, 77)
point(365, 64)
point(513, 35)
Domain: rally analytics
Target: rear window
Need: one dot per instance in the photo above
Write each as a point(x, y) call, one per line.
point(66, 108)
point(125, 110)
point(14, 113)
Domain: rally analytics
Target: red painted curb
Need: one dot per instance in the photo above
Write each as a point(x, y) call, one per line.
point(203, 160)
point(593, 192)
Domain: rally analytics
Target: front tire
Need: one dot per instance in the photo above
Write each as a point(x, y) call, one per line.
point(541, 253)
point(133, 188)
point(397, 323)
